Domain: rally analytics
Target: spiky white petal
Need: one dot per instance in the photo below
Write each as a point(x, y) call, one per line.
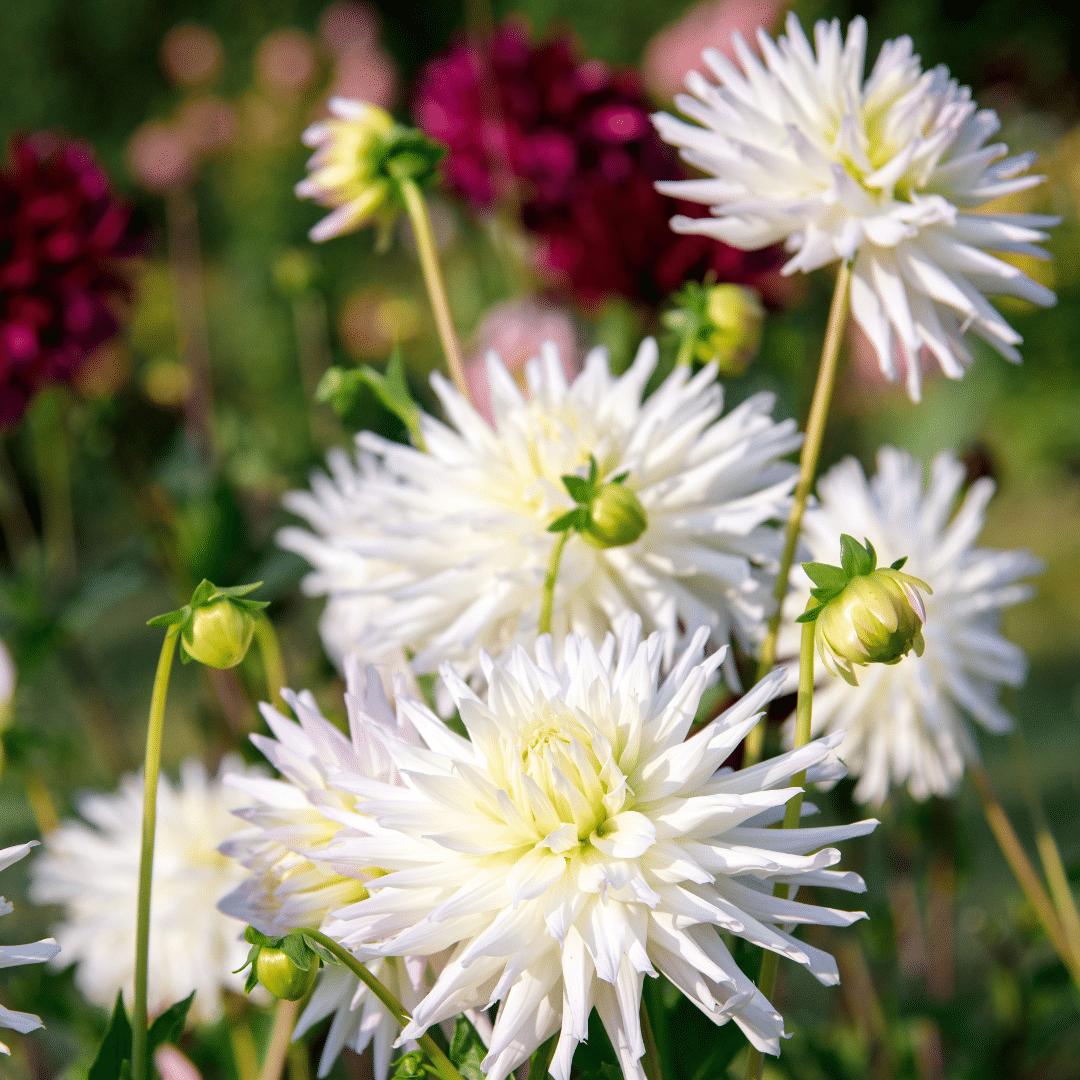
point(90, 866)
point(18, 955)
point(444, 551)
point(908, 724)
point(889, 170)
point(294, 880)
point(579, 841)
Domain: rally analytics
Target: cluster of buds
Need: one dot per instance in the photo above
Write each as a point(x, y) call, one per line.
point(216, 625)
point(607, 513)
point(864, 614)
point(717, 324)
point(362, 157)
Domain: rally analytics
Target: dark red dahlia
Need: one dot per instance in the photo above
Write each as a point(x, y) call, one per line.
point(568, 143)
point(63, 239)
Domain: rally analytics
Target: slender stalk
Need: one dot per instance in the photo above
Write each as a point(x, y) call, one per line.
point(277, 1050)
point(41, 803)
point(155, 730)
point(1025, 874)
point(808, 462)
point(266, 641)
point(15, 521)
point(433, 280)
point(650, 1063)
point(245, 1056)
point(443, 1066)
point(547, 604)
point(803, 713)
point(685, 356)
point(299, 1065)
point(1053, 865)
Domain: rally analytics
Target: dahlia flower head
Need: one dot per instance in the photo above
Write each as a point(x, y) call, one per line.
point(292, 881)
point(90, 868)
point(567, 142)
point(64, 240)
point(889, 171)
point(909, 725)
point(580, 839)
point(37, 952)
point(443, 551)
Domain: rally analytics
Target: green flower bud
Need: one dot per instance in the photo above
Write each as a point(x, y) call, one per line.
point(219, 634)
point(718, 324)
point(865, 615)
point(216, 625)
point(616, 517)
point(282, 976)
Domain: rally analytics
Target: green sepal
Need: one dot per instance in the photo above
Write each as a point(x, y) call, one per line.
point(577, 518)
point(296, 945)
point(411, 1066)
point(206, 592)
point(407, 153)
point(578, 488)
point(855, 558)
point(899, 564)
point(825, 576)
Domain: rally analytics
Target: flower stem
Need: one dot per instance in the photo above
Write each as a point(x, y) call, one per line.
point(548, 602)
point(650, 1063)
point(685, 356)
point(155, 730)
point(433, 280)
point(1025, 874)
point(808, 463)
point(280, 1035)
point(266, 640)
point(443, 1066)
point(792, 812)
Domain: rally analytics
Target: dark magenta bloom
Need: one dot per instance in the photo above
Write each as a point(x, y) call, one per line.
point(568, 143)
point(63, 239)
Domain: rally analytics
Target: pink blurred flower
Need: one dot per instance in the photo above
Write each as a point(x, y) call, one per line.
point(286, 62)
point(677, 48)
point(343, 25)
point(173, 1065)
point(516, 330)
point(365, 72)
point(207, 124)
point(159, 157)
point(63, 240)
point(192, 54)
point(568, 142)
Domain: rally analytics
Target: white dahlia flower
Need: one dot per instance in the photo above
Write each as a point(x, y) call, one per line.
point(294, 880)
point(444, 551)
point(18, 955)
point(889, 170)
point(907, 724)
point(579, 841)
point(90, 867)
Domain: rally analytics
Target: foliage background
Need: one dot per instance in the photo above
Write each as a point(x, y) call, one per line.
point(152, 516)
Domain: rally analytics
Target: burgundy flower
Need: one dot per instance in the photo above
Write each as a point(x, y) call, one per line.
point(568, 143)
point(62, 238)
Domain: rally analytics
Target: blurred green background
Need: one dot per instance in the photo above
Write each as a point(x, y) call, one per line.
point(164, 492)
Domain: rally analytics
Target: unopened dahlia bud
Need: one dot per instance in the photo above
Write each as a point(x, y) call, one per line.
point(281, 976)
point(863, 614)
point(284, 966)
point(361, 157)
point(216, 625)
point(608, 514)
point(616, 517)
point(718, 324)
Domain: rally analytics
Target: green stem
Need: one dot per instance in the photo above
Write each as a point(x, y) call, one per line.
point(155, 730)
point(808, 463)
point(685, 356)
point(434, 282)
point(803, 714)
point(650, 1063)
point(266, 640)
point(443, 1066)
point(277, 1051)
point(547, 604)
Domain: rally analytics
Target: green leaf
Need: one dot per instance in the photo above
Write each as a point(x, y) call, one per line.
point(410, 1066)
point(351, 393)
point(825, 576)
point(577, 518)
point(467, 1050)
point(169, 1026)
point(580, 489)
point(115, 1048)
